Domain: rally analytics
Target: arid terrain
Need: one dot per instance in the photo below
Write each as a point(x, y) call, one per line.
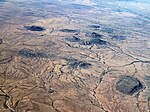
point(74, 56)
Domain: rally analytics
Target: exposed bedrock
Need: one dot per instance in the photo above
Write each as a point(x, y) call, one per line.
point(69, 31)
point(73, 39)
point(31, 54)
point(74, 63)
point(34, 28)
point(128, 85)
point(79, 64)
point(93, 35)
point(1, 40)
point(94, 41)
point(94, 26)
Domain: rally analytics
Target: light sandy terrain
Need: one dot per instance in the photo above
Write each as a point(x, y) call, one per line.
point(68, 68)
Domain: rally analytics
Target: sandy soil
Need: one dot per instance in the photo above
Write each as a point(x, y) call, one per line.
point(72, 70)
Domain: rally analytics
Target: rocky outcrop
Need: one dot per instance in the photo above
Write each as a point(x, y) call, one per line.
point(34, 28)
point(128, 85)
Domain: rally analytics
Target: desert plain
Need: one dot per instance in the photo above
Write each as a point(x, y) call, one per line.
point(74, 56)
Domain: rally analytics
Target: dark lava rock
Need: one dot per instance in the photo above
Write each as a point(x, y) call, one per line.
point(85, 42)
point(128, 85)
point(79, 64)
point(70, 59)
point(1, 41)
point(74, 65)
point(73, 39)
point(93, 35)
point(31, 54)
point(84, 65)
point(94, 41)
point(119, 37)
point(98, 42)
point(51, 90)
point(94, 26)
point(34, 28)
point(69, 31)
